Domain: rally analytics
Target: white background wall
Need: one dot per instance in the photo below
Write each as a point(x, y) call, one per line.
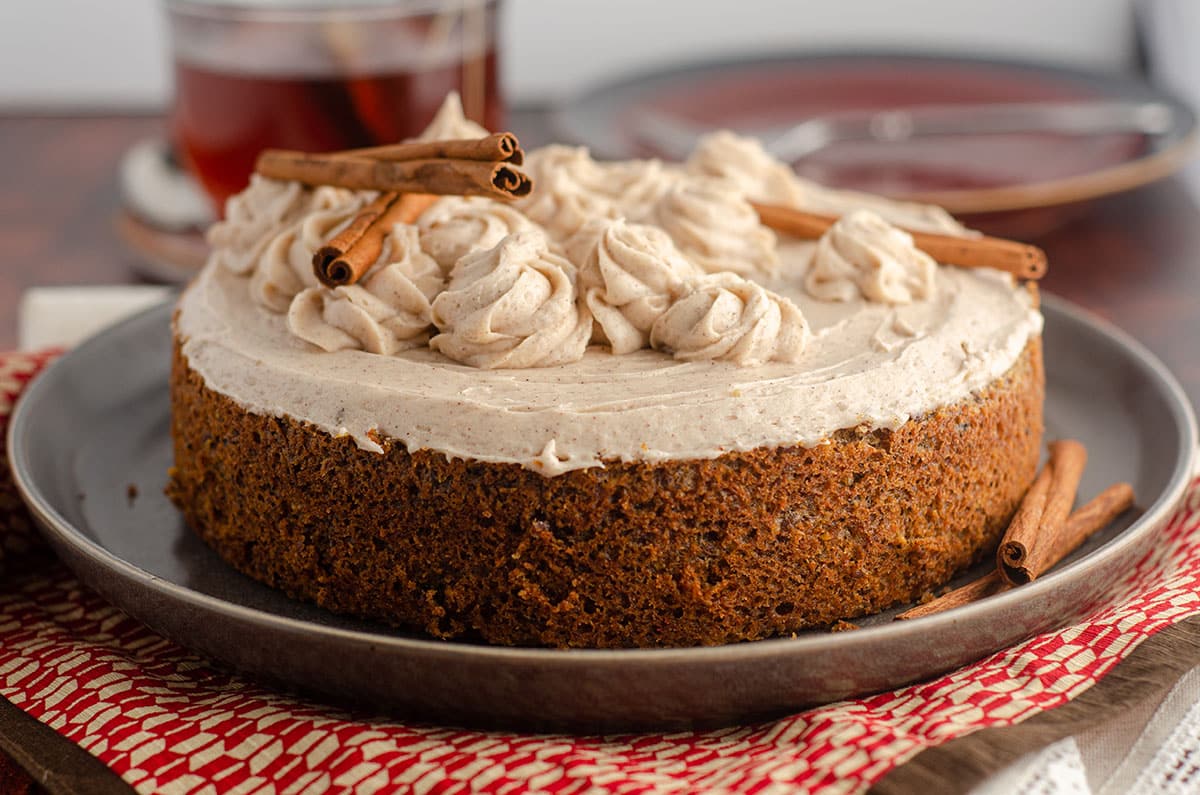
point(101, 53)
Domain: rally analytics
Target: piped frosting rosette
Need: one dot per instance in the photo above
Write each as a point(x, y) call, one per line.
point(285, 266)
point(456, 226)
point(761, 177)
point(744, 163)
point(253, 217)
point(390, 310)
point(863, 255)
point(573, 189)
point(629, 274)
point(512, 305)
point(729, 318)
point(451, 122)
point(716, 228)
point(250, 218)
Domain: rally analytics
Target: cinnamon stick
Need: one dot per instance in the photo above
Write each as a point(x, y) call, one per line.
point(501, 147)
point(987, 585)
point(1097, 513)
point(338, 269)
point(343, 241)
point(442, 177)
point(1020, 259)
point(1023, 529)
point(1079, 527)
point(1025, 549)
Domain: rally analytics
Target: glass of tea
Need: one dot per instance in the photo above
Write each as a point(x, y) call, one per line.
point(320, 76)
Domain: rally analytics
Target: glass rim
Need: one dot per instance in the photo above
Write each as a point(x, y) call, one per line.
point(310, 10)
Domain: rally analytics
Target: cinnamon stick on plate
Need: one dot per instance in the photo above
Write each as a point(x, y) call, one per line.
point(1026, 546)
point(1020, 259)
point(1097, 513)
point(1026, 521)
point(987, 585)
point(445, 177)
point(350, 254)
point(501, 147)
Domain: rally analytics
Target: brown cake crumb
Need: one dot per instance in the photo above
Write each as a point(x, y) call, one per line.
point(745, 546)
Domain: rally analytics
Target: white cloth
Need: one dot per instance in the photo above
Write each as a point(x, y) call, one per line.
point(1057, 769)
point(1162, 759)
point(61, 317)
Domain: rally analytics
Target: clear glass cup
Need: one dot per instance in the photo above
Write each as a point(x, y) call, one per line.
point(321, 76)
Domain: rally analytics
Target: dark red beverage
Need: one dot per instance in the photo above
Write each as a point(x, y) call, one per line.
point(222, 120)
point(249, 78)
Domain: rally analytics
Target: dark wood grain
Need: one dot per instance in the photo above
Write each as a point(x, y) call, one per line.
point(1133, 259)
point(58, 201)
point(36, 759)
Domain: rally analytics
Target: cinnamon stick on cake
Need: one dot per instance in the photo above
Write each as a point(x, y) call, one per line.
point(502, 147)
point(447, 177)
point(1020, 259)
point(410, 176)
point(351, 253)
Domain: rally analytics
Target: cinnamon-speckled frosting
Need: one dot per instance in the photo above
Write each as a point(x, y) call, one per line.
point(624, 312)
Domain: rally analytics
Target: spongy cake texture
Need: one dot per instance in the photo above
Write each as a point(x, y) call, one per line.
point(744, 546)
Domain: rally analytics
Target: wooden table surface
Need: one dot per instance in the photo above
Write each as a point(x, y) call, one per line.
point(1133, 258)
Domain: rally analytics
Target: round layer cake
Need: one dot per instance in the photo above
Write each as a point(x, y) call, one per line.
point(634, 492)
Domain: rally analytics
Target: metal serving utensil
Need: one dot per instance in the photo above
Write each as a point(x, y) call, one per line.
point(675, 137)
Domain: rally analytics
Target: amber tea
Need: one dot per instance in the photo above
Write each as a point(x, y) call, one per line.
point(318, 81)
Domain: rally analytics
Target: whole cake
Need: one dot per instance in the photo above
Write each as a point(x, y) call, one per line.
point(617, 412)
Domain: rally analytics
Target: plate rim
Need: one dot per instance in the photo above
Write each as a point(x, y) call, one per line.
point(1143, 170)
point(61, 531)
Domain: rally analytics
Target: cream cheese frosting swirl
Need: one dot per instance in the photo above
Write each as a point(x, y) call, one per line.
point(864, 254)
point(250, 219)
point(285, 266)
point(451, 122)
point(387, 312)
point(456, 226)
point(572, 189)
point(764, 178)
point(512, 305)
point(744, 162)
point(629, 274)
point(732, 319)
point(716, 228)
point(566, 195)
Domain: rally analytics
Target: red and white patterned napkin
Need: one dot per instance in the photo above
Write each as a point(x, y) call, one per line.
point(167, 721)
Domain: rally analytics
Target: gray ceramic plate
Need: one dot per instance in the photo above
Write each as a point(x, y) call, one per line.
point(93, 430)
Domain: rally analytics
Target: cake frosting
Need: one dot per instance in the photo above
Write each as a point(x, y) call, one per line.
point(726, 317)
point(716, 228)
point(762, 178)
point(865, 364)
point(629, 275)
point(634, 311)
point(573, 189)
point(388, 311)
point(512, 306)
point(862, 254)
point(459, 225)
point(285, 265)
